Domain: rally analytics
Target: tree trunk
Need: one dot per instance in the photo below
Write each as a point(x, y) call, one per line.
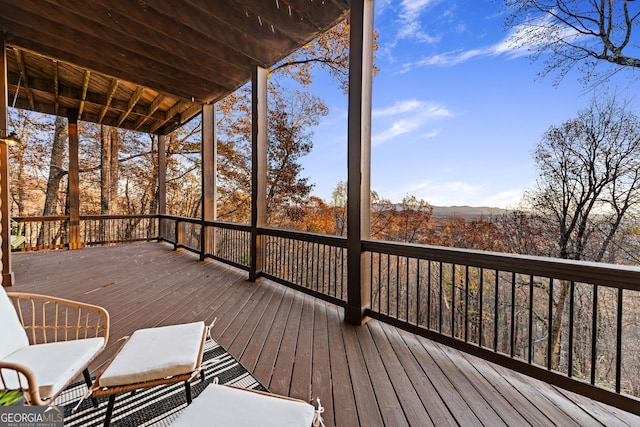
point(109, 149)
point(558, 317)
point(56, 173)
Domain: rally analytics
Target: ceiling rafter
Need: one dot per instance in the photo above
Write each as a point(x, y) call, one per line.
point(107, 104)
point(177, 108)
point(56, 86)
point(25, 77)
point(172, 56)
point(75, 94)
point(132, 103)
point(152, 109)
point(85, 87)
point(190, 112)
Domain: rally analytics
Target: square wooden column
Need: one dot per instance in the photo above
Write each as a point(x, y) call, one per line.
point(162, 182)
point(258, 167)
point(162, 174)
point(359, 160)
point(74, 182)
point(5, 188)
point(209, 153)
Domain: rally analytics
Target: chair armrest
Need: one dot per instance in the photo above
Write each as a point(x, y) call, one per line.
point(50, 319)
point(26, 380)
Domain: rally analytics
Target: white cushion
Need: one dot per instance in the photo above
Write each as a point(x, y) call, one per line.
point(55, 364)
point(227, 406)
point(156, 353)
point(12, 334)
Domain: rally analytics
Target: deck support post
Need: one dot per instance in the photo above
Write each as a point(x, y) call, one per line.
point(8, 278)
point(359, 160)
point(209, 167)
point(162, 174)
point(258, 167)
point(74, 182)
point(162, 184)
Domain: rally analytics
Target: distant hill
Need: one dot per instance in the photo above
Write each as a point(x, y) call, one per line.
point(466, 212)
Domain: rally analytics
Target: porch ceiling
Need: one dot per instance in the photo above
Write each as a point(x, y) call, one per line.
point(148, 66)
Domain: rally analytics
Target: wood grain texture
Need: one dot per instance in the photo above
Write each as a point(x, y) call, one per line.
point(300, 346)
point(195, 51)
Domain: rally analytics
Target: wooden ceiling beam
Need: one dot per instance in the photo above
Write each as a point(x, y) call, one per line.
point(190, 113)
point(186, 53)
point(131, 41)
point(24, 77)
point(152, 109)
point(107, 104)
point(63, 111)
point(83, 96)
point(132, 103)
point(56, 85)
point(132, 68)
point(177, 108)
point(75, 94)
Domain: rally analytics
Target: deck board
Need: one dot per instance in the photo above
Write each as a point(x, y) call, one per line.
point(342, 390)
point(371, 375)
point(412, 406)
point(436, 409)
point(391, 411)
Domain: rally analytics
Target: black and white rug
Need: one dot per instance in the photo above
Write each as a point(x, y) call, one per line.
point(156, 406)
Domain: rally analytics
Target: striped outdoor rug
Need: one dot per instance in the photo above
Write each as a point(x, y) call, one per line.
point(156, 406)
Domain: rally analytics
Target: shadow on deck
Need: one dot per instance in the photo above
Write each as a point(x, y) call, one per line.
point(297, 345)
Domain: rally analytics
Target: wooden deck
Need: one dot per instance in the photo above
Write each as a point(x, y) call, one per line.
point(297, 345)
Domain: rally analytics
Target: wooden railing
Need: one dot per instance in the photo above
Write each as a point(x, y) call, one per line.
point(223, 241)
point(569, 323)
point(42, 232)
point(312, 263)
point(52, 232)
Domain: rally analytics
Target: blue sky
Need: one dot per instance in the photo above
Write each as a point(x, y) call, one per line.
point(456, 111)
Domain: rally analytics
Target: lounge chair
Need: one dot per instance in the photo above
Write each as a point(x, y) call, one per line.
point(46, 342)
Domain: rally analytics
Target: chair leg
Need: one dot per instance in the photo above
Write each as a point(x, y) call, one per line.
point(107, 417)
point(187, 389)
point(87, 379)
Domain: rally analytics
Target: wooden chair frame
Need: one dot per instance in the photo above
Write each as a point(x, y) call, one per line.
point(49, 319)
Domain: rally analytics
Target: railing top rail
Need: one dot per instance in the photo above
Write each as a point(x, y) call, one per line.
point(39, 218)
point(182, 218)
point(322, 239)
point(100, 216)
point(229, 225)
point(619, 276)
point(82, 217)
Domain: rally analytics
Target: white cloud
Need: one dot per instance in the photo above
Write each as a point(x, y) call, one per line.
point(411, 9)
point(409, 22)
point(416, 107)
point(520, 41)
point(431, 134)
point(455, 193)
point(405, 117)
point(398, 128)
point(440, 193)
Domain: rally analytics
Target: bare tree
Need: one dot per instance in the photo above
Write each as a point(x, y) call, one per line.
point(589, 177)
point(588, 183)
point(577, 33)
